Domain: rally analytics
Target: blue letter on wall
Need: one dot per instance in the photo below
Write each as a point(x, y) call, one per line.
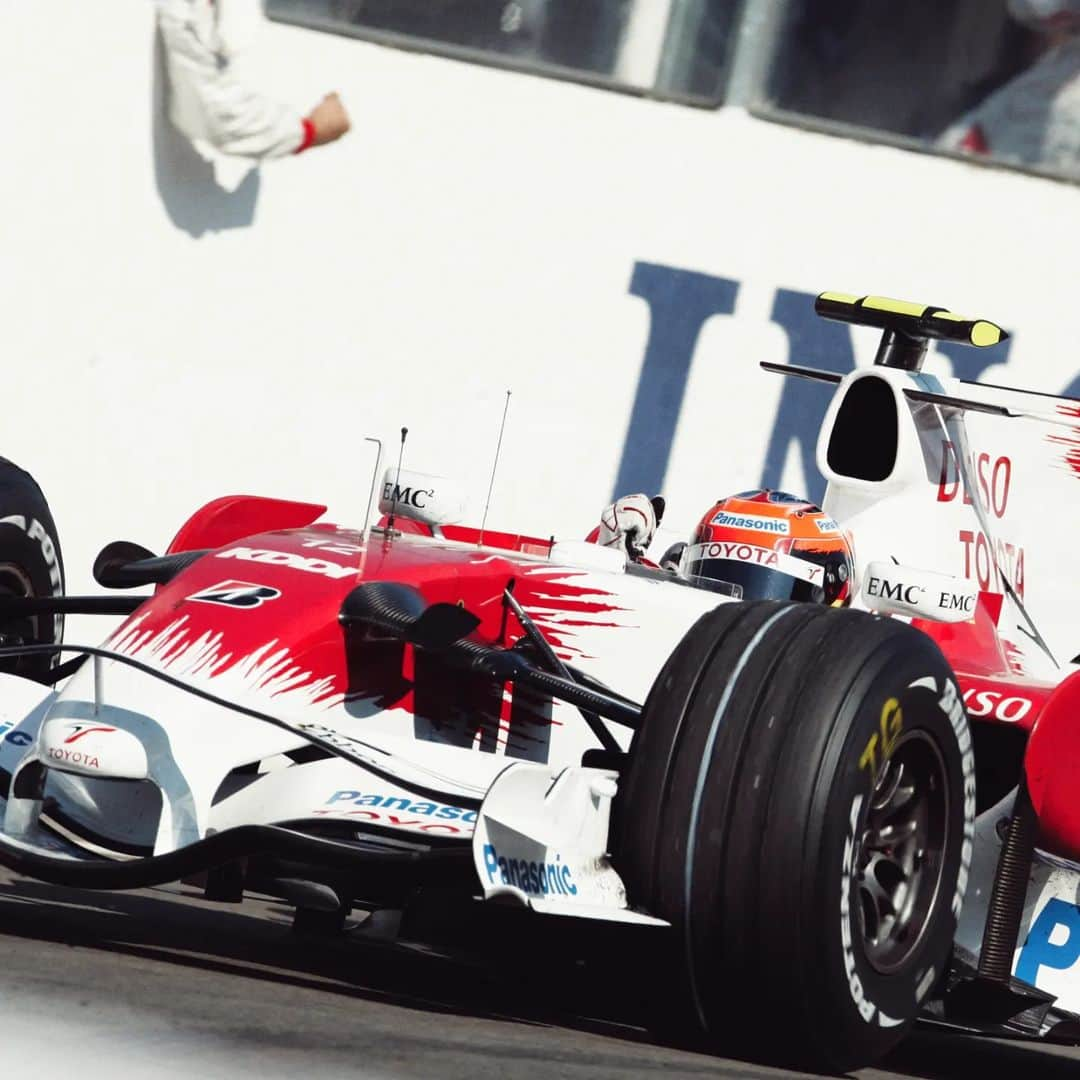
point(968, 363)
point(816, 343)
point(679, 303)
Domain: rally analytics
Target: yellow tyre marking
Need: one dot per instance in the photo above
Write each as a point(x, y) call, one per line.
point(890, 726)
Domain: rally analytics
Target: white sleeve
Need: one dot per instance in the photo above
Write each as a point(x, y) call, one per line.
point(206, 101)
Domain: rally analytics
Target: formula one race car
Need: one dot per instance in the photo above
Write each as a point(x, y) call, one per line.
point(347, 719)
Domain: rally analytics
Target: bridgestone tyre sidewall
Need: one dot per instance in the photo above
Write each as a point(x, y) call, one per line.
point(866, 1020)
point(29, 542)
point(766, 710)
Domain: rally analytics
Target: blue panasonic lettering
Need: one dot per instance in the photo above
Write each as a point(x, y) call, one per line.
point(400, 803)
point(1039, 952)
point(15, 738)
point(343, 796)
point(534, 878)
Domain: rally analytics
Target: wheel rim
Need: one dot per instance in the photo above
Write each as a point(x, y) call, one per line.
point(901, 853)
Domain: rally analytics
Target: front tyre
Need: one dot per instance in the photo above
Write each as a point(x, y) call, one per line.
point(31, 565)
point(799, 804)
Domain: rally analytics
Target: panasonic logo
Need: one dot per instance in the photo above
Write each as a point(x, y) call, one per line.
point(407, 805)
point(534, 878)
point(752, 521)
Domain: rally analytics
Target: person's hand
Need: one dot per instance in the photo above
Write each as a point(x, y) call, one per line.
point(329, 119)
point(628, 523)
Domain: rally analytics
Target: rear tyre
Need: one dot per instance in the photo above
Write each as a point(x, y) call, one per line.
point(799, 804)
point(31, 565)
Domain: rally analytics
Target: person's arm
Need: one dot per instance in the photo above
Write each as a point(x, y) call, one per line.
point(207, 101)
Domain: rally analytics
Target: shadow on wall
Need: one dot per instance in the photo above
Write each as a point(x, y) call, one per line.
point(189, 190)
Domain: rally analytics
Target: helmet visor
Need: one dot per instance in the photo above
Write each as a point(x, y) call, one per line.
point(754, 582)
point(759, 573)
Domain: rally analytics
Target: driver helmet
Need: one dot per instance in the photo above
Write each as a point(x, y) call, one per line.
point(772, 546)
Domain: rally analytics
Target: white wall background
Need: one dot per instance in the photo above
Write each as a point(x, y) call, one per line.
point(165, 341)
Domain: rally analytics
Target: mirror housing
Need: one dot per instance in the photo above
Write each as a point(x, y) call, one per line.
point(891, 589)
point(420, 497)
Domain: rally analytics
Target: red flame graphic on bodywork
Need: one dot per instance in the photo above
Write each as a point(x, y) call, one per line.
point(1071, 443)
point(552, 597)
point(472, 708)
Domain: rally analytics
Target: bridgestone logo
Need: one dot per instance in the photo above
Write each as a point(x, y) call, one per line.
point(752, 521)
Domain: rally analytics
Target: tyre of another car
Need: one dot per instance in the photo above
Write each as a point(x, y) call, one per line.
point(31, 565)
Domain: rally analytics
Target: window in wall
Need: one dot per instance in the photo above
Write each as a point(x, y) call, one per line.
point(679, 48)
point(997, 79)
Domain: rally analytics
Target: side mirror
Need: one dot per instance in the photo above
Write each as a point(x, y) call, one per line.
point(890, 589)
point(420, 496)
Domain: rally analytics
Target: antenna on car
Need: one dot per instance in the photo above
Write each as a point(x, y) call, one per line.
point(374, 480)
point(397, 484)
point(494, 466)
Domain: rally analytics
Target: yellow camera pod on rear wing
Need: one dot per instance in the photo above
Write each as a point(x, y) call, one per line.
point(908, 326)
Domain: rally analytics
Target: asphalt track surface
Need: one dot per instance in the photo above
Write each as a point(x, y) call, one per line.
point(158, 983)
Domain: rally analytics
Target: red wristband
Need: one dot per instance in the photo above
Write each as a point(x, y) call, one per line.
point(309, 135)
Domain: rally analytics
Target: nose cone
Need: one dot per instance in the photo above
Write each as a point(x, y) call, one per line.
point(90, 748)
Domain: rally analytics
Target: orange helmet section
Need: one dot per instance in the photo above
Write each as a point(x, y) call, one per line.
point(773, 545)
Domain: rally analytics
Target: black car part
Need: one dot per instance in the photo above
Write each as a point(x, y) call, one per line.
point(400, 611)
point(245, 842)
point(124, 565)
point(992, 995)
